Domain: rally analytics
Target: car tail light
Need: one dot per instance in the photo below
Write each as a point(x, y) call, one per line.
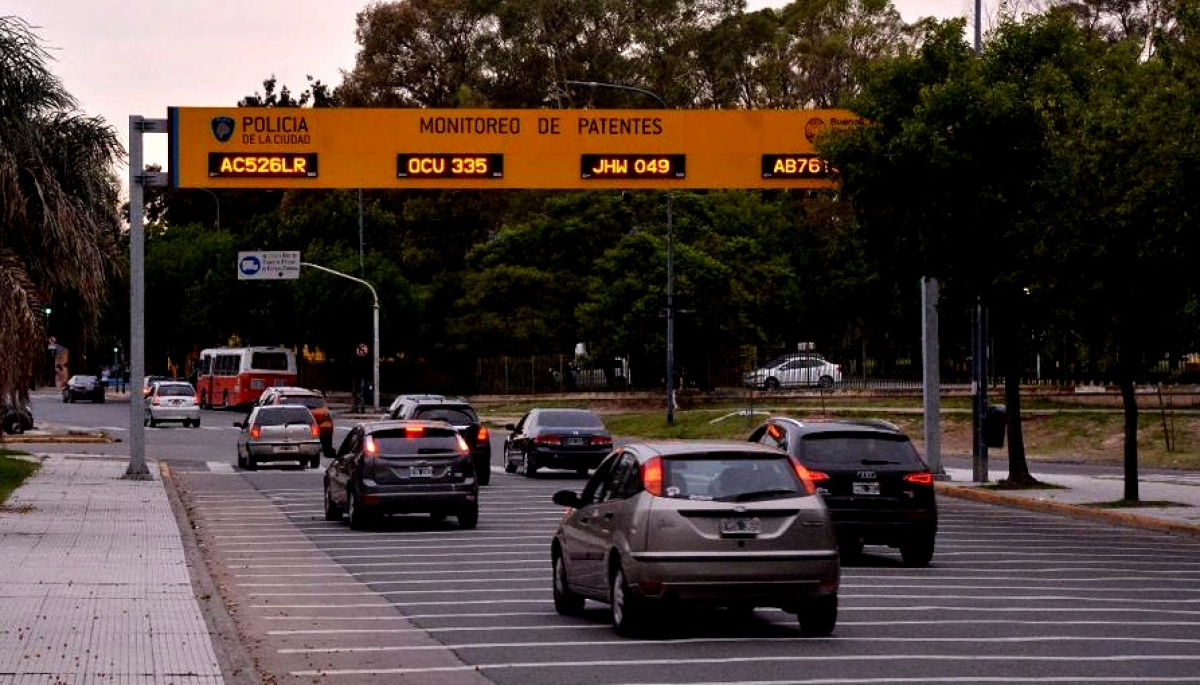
point(414, 430)
point(805, 476)
point(652, 476)
point(484, 435)
point(922, 478)
point(462, 444)
point(255, 431)
point(818, 476)
point(370, 449)
point(316, 430)
point(547, 440)
point(601, 440)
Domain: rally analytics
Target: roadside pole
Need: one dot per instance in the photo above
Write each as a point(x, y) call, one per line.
point(375, 346)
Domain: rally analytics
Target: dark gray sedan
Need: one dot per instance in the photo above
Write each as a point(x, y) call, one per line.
point(703, 523)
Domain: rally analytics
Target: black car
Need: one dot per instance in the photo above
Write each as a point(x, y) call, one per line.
point(574, 439)
point(401, 467)
point(459, 414)
point(878, 489)
point(81, 387)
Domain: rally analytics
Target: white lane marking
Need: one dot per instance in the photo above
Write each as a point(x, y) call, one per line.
point(487, 567)
point(411, 617)
point(261, 540)
point(219, 466)
point(392, 548)
point(1024, 639)
point(394, 593)
point(465, 629)
point(822, 659)
point(398, 556)
point(434, 581)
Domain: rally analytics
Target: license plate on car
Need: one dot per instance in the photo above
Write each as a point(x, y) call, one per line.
point(741, 526)
point(866, 488)
point(420, 472)
point(287, 448)
point(575, 441)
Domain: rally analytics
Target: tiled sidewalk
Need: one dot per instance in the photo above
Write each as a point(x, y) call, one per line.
point(94, 584)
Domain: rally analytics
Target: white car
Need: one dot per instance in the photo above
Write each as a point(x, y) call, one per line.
point(172, 401)
point(794, 371)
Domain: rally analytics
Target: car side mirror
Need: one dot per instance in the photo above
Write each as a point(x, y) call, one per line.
point(510, 427)
point(567, 498)
point(239, 424)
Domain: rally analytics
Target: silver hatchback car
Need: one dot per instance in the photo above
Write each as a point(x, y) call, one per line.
point(697, 523)
point(281, 432)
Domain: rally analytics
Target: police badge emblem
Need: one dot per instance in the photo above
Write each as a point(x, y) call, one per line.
point(222, 128)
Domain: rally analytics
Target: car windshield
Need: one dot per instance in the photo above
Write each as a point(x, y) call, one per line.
point(851, 450)
point(730, 477)
point(453, 415)
point(175, 390)
point(310, 401)
point(404, 443)
point(570, 419)
point(278, 416)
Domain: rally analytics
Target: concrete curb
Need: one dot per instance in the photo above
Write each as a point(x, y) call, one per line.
point(1082, 511)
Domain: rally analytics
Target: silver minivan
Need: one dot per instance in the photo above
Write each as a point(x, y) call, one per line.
point(697, 523)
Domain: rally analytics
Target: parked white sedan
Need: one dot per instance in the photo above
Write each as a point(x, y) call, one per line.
point(173, 401)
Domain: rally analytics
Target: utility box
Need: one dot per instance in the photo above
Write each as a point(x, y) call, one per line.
point(995, 422)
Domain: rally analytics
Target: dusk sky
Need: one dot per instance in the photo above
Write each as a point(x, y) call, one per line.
point(119, 58)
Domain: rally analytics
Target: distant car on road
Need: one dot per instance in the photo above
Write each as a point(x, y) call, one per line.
point(465, 420)
point(80, 387)
point(172, 401)
point(556, 438)
point(315, 401)
point(804, 369)
point(696, 523)
point(401, 467)
point(878, 489)
point(286, 432)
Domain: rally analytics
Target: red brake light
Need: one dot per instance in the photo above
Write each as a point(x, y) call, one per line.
point(483, 434)
point(818, 476)
point(547, 440)
point(652, 476)
point(316, 430)
point(255, 431)
point(922, 478)
point(805, 475)
point(414, 430)
point(601, 440)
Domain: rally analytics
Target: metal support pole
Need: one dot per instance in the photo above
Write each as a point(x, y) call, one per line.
point(138, 178)
point(375, 320)
point(979, 461)
point(931, 378)
point(670, 318)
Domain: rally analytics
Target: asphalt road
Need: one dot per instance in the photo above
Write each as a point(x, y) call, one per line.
point(1013, 596)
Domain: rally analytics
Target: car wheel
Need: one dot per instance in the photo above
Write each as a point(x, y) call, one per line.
point(332, 511)
point(627, 612)
point(100, 399)
point(510, 466)
point(566, 602)
point(850, 547)
point(825, 382)
point(195, 423)
point(65, 398)
point(818, 617)
point(771, 384)
point(71, 398)
point(204, 401)
point(483, 473)
point(468, 517)
point(528, 465)
point(314, 463)
point(152, 420)
point(355, 514)
point(241, 461)
point(917, 553)
point(13, 426)
point(251, 462)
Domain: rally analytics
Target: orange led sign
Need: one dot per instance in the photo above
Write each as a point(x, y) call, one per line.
point(246, 147)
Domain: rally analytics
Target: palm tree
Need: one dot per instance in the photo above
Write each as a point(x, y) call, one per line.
point(59, 206)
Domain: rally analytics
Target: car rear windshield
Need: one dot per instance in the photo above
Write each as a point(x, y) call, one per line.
point(570, 419)
point(730, 477)
point(304, 400)
point(176, 390)
point(401, 442)
point(280, 415)
point(453, 415)
point(852, 450)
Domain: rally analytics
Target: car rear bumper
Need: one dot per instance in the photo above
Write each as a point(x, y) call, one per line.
point(267, 451)
point(884, 525)
point(779, 580)
point(175, 413)
point(574, 459)
point(400, 499)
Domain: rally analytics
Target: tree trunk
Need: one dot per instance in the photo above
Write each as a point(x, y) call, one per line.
point(1018, 467)
point(1129, 403)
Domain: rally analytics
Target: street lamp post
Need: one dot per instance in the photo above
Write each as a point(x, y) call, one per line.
point(375, 321)
point(670, 310)
point(217, 223)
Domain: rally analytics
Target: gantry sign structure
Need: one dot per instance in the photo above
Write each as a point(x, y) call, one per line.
point(232, 147)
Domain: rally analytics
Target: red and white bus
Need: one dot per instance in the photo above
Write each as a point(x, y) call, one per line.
point(234, 376)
